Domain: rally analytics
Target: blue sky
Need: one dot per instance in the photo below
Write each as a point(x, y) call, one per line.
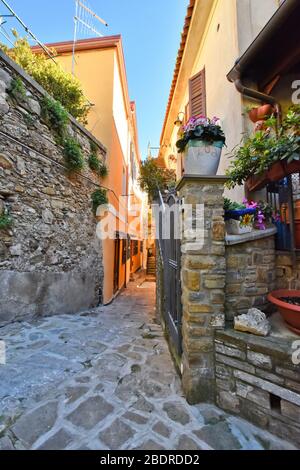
point(151, 35)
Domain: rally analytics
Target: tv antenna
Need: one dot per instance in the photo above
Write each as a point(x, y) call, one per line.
point(85, 20)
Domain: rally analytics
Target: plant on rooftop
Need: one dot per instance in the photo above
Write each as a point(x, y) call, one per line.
point(60, 84)
point(153, 178)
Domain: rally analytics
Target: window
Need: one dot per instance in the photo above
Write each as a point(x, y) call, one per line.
point(197, 94)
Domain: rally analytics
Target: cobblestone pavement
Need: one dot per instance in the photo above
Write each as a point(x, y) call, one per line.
point(104, 379)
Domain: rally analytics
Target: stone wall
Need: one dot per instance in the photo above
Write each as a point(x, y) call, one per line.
point(250, 272)
point(287, 271)
point(256, 379)
point(50, 259)
point(203, 282)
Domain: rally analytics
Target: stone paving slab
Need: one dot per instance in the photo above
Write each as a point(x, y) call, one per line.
point(104, 379)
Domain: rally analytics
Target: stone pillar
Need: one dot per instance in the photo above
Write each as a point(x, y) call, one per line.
point(203, 283)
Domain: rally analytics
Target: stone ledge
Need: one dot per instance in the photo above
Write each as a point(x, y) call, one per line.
point(277, 347)
point(252, 236)
point(201, 179)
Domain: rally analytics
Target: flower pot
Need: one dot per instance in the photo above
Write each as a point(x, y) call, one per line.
point(236, 214)
point(290, 313)
point(234, 227)
point(261, 113)
point(202, 158)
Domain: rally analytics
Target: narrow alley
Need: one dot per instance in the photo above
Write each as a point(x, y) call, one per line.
point(104, 379)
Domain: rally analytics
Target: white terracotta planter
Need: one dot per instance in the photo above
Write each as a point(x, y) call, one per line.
point(233, 227)
point(201, 158)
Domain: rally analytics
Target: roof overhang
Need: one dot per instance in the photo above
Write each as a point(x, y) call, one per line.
point(275, 50)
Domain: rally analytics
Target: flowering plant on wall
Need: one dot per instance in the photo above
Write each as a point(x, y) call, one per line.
point(201, 128)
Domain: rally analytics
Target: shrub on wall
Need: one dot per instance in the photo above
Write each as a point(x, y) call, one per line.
point(99, 198)
point(73, 154)
point(55, 115)
point(17, 89)
point(5, 220)
point(60, 84)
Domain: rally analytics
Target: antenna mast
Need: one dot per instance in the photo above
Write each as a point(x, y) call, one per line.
point(84, 18)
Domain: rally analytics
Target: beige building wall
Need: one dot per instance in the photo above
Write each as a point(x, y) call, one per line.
point(230, 27)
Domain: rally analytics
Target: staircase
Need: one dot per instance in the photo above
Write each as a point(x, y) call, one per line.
point(151, 266)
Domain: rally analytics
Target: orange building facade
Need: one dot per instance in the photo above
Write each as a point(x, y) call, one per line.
point(100, 67)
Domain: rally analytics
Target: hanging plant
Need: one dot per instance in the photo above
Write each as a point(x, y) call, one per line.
point(99, 198)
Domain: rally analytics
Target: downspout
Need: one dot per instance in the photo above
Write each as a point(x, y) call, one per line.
point(258, 95)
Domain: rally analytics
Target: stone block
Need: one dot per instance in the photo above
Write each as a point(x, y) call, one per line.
point(218, 231)
point(259, 360)
point(253, 394)
point(191, 280)
point(214, 282)
point(230, 351)
point(291, 411)
point(228, 401)
point(234, 363)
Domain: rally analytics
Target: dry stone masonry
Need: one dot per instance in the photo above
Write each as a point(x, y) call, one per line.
point(50, 258)
point(203, 283)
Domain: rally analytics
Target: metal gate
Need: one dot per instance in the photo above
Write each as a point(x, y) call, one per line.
point(171, 252)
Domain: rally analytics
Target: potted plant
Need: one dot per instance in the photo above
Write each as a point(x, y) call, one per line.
point(260, 113)
point(239, 218)
point(201, 143)
point(267, 156)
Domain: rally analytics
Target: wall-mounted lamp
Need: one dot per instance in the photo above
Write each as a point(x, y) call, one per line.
point(179, 120)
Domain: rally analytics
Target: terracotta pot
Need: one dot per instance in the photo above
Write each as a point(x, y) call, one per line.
point(261, 113)
point(290, 313)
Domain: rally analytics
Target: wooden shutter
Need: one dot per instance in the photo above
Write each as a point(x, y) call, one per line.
point(186, 113)
point(197, 94)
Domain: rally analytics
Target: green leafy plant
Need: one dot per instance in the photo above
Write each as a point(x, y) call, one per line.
point(73, 154)
point(99, 198)
point(60, 84)
point(94, 163)
point(232, 205)
point(153, 178)
point(259, 151)
point(5, 220)
point(17, 89)
point(55, 115)
point(97, 166)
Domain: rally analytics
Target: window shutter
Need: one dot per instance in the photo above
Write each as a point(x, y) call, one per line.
point(186, 113)
point(197, 94)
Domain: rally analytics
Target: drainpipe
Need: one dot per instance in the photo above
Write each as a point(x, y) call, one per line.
point(258, 95)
